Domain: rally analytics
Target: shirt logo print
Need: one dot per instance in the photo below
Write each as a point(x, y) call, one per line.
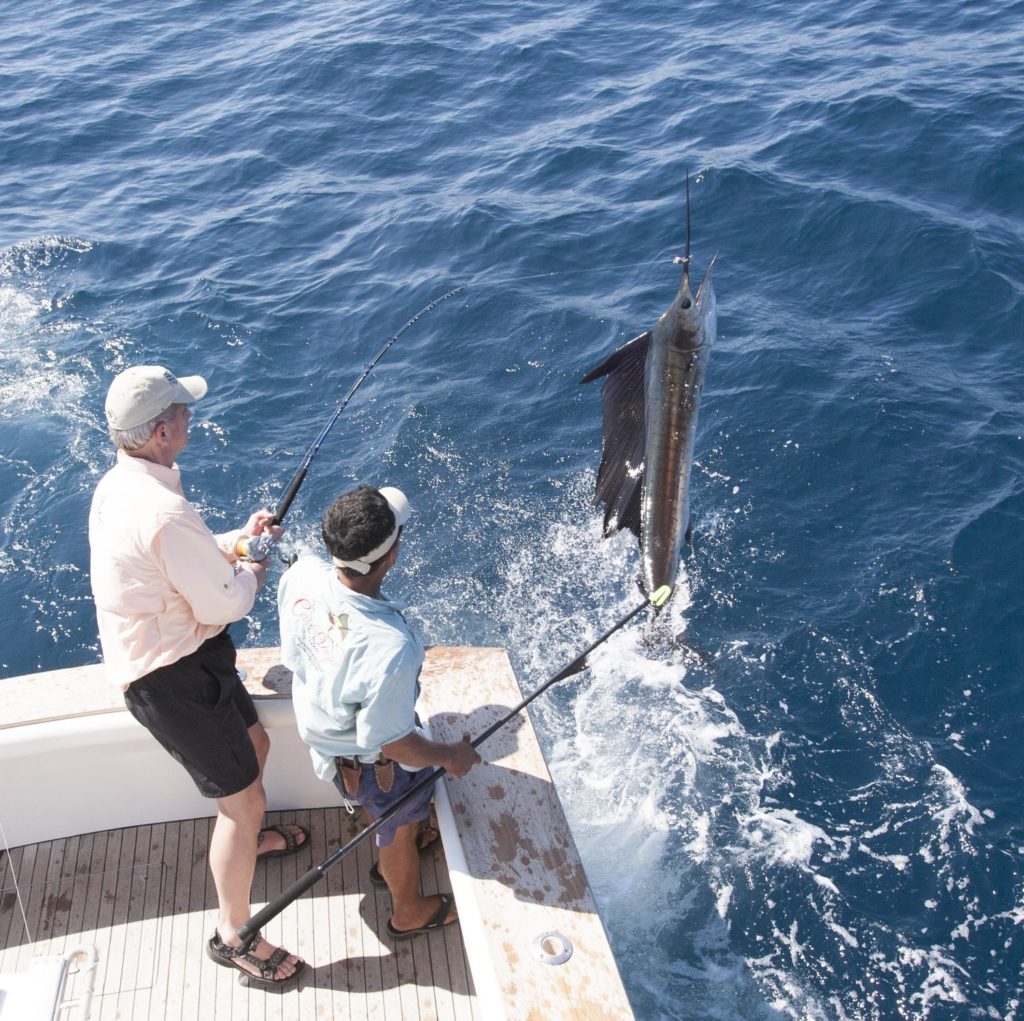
point(339, 626)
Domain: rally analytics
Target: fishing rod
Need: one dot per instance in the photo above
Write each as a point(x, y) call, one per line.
point(258, 546)
point(656, 601)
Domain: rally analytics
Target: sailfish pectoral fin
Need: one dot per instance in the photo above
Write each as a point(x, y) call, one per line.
point(620, 477)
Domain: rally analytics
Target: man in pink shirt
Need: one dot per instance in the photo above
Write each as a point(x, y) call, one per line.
point(165, 589)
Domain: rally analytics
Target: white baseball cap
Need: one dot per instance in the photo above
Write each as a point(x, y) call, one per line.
point(140, 393)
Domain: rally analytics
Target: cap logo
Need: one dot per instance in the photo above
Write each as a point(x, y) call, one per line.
point(170, 377)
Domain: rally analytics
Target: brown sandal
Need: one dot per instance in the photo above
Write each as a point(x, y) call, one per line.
point(228, 957)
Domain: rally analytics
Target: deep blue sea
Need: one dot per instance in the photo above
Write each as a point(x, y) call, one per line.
point(829, 826)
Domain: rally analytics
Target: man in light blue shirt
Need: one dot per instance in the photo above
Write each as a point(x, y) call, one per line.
point(355, 663)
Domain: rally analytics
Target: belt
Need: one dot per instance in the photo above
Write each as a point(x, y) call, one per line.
point(354, 763)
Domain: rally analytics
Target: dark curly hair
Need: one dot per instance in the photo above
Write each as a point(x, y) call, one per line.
point(357, 522)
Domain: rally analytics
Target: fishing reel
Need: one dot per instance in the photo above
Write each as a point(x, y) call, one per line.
point(259, 547)
point(254, 547)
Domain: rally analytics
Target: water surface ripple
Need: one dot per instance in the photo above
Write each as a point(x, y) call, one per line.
point(831, 825)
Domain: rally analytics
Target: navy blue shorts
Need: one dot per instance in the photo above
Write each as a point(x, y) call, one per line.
point(376, 802)
point(199, 710)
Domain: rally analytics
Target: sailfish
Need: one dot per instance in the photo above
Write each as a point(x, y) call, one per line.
point(651, 396)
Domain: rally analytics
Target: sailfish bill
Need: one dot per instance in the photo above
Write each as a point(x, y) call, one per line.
point(651, 397)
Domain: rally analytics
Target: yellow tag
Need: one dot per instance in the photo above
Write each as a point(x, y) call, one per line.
point(660, 596)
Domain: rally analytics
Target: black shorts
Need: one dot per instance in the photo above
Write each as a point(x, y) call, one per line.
point(199, 710)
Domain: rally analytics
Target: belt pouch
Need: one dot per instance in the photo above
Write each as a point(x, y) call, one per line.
point(350, 776)
point(385, 776)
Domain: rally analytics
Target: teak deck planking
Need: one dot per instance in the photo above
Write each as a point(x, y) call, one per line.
point(144, 897)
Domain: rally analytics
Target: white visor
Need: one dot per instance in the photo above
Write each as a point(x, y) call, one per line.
point(400, 508)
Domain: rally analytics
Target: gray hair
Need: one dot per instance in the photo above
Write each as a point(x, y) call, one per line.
point(138, 436)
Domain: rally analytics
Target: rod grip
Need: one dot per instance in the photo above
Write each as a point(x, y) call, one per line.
point(289, 494)
point(279, 903)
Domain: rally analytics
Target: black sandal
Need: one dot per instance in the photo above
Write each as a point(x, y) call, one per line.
point(228, 957)
point(438, 920)
point(291, 841)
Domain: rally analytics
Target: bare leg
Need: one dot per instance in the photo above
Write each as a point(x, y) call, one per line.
point(261, 743)
point(271, 841)
point(400, 867)
point(233, 859)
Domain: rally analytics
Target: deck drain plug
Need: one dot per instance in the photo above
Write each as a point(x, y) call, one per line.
point(552, 947)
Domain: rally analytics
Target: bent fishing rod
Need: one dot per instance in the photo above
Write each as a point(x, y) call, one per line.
point(257, 547)
point(656, 601)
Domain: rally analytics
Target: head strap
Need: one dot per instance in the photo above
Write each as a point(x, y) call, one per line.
point(363, 564)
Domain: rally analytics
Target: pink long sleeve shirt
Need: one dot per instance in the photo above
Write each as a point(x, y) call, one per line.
point(162, 581)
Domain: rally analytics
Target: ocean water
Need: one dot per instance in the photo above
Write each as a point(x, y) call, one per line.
point(831, 823)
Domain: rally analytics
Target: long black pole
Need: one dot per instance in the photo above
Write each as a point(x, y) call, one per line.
point(299, 477)
point(315, 874)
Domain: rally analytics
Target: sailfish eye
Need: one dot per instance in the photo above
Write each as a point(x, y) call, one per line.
point(686, 303)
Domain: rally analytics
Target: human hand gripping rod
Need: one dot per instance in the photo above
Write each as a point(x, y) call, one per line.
point(657, 600)
point(258, 546)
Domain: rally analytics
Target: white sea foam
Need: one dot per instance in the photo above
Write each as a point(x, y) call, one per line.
point(658, 771)
point(41, 372)
point(648, 765)
point(49, 362)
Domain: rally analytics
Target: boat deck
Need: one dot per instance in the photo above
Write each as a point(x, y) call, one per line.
point(143, 896)
point(140, 892)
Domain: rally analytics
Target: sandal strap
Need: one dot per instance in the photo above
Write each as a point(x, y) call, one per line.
point(277, 958)
point(268, 966)
point(225, 950)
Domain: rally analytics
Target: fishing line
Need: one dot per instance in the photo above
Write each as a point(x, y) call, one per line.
point(257, 547)
point(489, 279)
point(647, 264)
point(656, 601)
